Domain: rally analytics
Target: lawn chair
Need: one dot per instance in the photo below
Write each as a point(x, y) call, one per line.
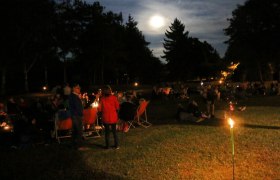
point(140, 117)
point(90, 122)
point(62, 125)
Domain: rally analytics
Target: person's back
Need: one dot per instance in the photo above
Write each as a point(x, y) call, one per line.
point(127, 111)
point(109, 106)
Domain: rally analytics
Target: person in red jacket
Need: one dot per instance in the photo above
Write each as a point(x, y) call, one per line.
point(109, 107)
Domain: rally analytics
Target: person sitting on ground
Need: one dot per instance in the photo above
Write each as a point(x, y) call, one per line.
point(191, 113)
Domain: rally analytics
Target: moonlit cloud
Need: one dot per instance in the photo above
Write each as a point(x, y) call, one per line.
point(203, 19)
point(157, 21)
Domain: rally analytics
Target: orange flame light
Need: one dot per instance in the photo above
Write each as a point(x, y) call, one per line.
point(225, 74)
point(44, 88)
point(233, 66)
point(94, 104)
point(230, 122)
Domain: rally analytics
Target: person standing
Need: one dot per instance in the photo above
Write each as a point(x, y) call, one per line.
point(66, 92)
point(76, 112)
point(109, 107)
point(212, 94)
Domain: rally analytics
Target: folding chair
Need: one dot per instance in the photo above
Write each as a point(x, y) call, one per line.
point(90, 122)
point(140, 117)
point(126, 115)
point(62, 125)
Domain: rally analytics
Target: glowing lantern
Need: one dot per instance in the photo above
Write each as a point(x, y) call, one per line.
point(7, 127)
point(233, 66)
point(44, 88)
point(225, 74)
point(94, 104)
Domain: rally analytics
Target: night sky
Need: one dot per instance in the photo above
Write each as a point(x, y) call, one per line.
point(203, 19)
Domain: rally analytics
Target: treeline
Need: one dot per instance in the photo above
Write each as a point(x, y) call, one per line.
point(254, 38)
point(187, 57)
point(48, 43)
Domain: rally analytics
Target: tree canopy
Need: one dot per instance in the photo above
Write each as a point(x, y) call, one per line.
point(254, 37)
point(49, 43)
point(27, 35)
point(188, 58)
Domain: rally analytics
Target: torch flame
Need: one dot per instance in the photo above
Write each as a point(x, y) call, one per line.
point(230, 122)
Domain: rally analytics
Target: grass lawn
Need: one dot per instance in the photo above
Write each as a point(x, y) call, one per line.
point(166, 150)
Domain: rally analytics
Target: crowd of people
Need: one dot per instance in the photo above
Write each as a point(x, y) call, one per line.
point(32, 120)
point(210, 93)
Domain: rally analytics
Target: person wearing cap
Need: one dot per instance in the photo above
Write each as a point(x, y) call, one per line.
point(109, 107)
point(76, 112)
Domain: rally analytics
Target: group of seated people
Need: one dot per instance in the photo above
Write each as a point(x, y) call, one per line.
point(165, 92)
point(191, 113)
point(129, 101)
point(21, 121)
point(33, 120)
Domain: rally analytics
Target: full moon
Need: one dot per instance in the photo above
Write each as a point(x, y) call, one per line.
point(156, 21)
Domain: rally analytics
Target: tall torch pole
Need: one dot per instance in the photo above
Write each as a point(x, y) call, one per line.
point(231, 123)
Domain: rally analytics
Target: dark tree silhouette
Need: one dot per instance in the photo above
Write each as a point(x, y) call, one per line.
point(188, 58)
point(175, 45)
point(139, 61)
point(254, 37)
point(27, 34)
point(74, 40)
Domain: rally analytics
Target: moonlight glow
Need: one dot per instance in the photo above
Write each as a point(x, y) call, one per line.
point(156, 21)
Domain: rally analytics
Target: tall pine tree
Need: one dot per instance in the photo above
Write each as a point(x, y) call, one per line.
point(175, 50)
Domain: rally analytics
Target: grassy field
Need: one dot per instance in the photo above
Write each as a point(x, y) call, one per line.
point(166, 150)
